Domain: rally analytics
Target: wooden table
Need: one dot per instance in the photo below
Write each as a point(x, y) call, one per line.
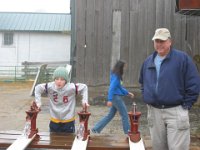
point(64, 141)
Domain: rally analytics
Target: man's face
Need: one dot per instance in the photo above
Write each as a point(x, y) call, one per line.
point(162, 47)
point(60, 82)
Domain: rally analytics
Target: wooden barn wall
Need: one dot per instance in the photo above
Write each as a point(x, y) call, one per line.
point(139, 19)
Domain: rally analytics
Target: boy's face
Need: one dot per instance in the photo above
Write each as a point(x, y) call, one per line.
point(60, 82)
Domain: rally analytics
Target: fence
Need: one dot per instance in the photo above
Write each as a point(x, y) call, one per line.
point(28, 71)
point(14, 73)
point(22, 73)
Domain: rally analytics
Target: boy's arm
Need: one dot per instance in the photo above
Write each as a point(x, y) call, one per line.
point(83, 91)
point(39, 89)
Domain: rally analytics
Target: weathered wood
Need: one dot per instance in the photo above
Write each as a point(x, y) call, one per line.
point(64, 141)
point(139, 19)
point(99, 41)
point(107, 39)
point(116, 36)
point(81, 7)
point(125, 32)
point(159, 13)
point(90, 61)
point(133, 49)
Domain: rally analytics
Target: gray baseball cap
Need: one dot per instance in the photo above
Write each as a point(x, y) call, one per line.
point(161, 34)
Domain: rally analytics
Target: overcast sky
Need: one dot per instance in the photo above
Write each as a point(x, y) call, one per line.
point(50, 6)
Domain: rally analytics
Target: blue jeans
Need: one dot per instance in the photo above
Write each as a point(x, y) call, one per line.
point(62, 127)
point(117, 105)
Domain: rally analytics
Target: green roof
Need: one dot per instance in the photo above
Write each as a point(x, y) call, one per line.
point(24, 21)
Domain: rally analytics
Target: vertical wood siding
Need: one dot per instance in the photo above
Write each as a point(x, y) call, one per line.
point(139, 19)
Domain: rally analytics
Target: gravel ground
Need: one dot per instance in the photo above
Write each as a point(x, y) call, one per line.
point(15, 100)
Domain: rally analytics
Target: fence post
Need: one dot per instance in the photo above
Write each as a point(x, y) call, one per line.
point(15, 73)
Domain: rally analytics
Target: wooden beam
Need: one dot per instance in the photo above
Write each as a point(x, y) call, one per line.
point(64, 141)
point(116, 37)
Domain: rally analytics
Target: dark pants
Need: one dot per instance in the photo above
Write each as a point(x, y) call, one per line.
point(62, 127)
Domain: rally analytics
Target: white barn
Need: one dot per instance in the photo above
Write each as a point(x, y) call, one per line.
point(34, 37)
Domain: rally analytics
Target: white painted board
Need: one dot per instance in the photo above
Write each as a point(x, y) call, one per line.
point(42, 67)
point(136, 146)
point(69, 70)
point(21, 143)
point(79, 144)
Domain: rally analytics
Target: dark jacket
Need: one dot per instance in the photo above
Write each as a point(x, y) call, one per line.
point(178, 82)
point(116, 87)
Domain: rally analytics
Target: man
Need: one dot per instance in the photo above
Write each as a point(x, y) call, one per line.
point(170, 86)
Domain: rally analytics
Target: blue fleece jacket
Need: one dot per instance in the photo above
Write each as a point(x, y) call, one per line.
point(115, 87)
point(178, 81)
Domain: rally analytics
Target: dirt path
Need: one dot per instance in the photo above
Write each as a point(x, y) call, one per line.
point(15, 100)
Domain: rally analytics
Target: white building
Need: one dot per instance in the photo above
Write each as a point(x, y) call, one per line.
point(34, 37)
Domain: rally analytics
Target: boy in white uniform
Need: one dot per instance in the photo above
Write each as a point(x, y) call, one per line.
point(62, 100)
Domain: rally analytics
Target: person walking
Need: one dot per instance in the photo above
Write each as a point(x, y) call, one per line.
point(170, 85)
point(115, 99)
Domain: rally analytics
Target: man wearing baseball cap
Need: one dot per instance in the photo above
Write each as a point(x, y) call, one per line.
point(170, 86)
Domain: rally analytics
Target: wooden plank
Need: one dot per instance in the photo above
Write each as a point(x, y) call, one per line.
point(193, 25)
point(90, 57)
point(99, 40)
point(167, 10)
point(136, 146)
point(115, 5)
point(79, 144)
point(132, 45)
point(64, 141)
point(140, 44)
point(107, 40)
point(151, 19)
point(116, 37)
point(38, 78)
point(125, 32)
point(81, 39)
point(21, 143)
point(159, 13)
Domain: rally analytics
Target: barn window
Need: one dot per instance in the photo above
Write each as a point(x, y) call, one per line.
point(8, 38)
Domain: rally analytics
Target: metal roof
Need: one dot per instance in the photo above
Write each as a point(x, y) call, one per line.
point(25, 21)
